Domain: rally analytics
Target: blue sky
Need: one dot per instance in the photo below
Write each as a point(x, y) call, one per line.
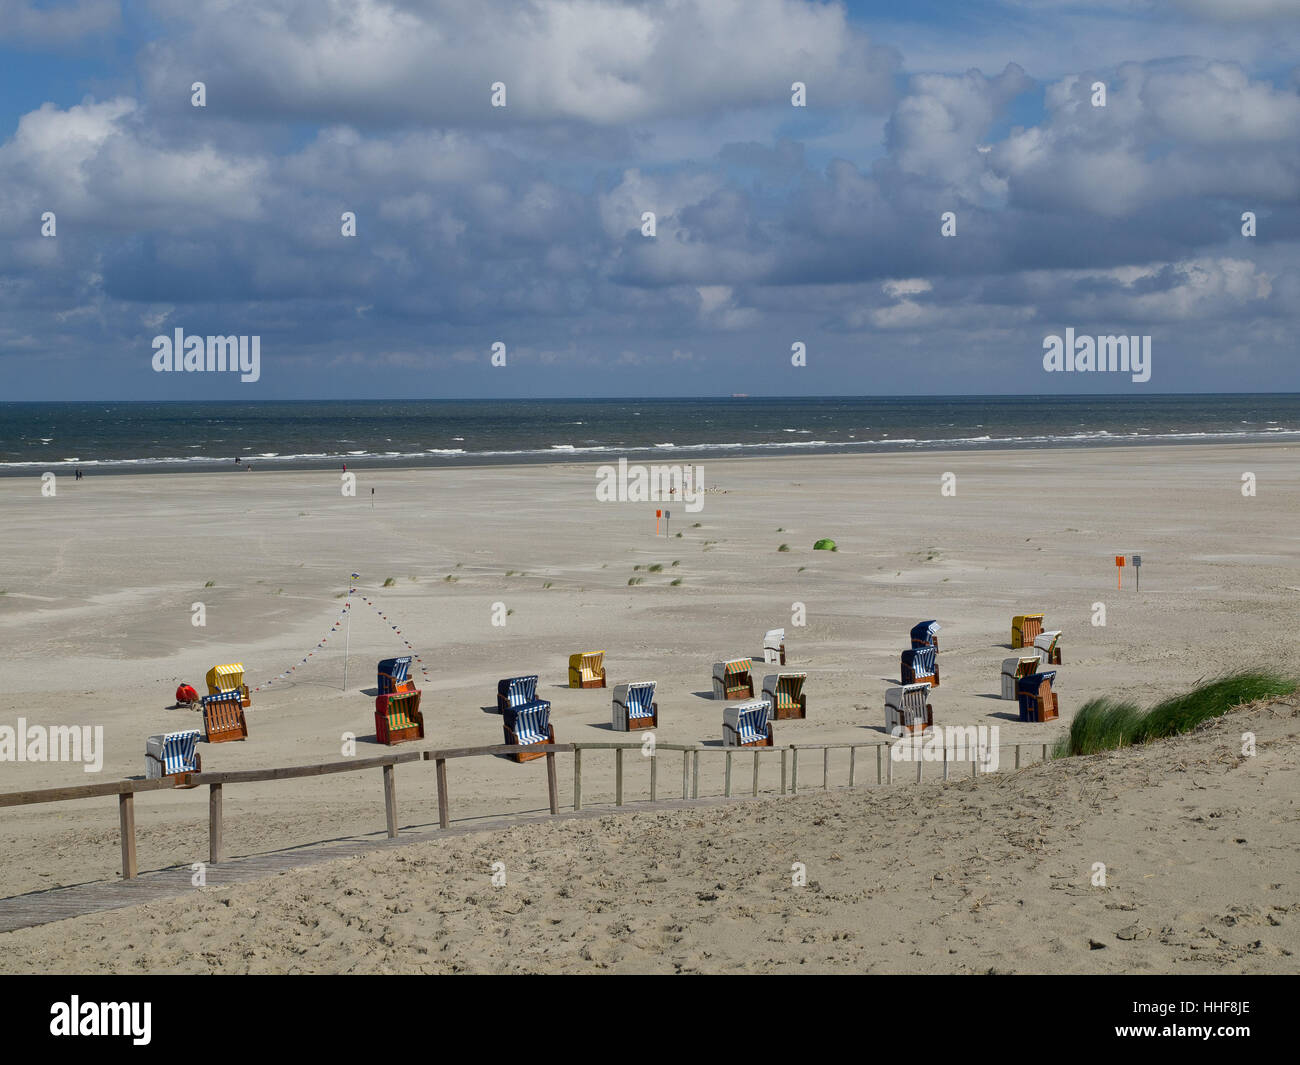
point(774, 224)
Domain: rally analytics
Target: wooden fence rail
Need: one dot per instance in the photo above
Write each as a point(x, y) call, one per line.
point(126, 790)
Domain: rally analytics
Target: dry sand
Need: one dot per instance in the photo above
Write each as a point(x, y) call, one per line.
point(95, 625)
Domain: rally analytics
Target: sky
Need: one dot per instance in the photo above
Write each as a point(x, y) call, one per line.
point(520, 228)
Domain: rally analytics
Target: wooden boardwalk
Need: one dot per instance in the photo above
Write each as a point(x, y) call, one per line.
point(57, 904)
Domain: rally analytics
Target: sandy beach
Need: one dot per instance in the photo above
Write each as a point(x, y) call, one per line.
point(99, 584)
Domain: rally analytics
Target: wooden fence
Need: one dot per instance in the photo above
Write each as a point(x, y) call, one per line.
point(126, 790)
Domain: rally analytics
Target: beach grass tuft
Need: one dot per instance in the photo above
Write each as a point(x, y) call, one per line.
point(634, 580)
point(784, 547)
point(210, 584)
point(390, 582)
point(1106, 724)
point(655, 567)
point(674, 583)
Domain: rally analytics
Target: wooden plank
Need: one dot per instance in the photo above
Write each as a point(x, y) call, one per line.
point(85, 791)
point(126, 824)
point(214, 823)
point(444, 820)
point(390, 801)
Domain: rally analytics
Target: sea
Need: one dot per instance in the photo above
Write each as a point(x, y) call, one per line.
point(180, 435)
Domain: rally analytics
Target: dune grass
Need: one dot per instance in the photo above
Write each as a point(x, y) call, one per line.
point(1106, 724)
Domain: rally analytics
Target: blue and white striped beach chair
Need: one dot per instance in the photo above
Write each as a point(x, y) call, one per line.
point(747, 724)
point(172, 754)
point(395, 676)
point(926, 634)
point(635, 707)
point(516, 691)
point(920, 664)
point(528, 726)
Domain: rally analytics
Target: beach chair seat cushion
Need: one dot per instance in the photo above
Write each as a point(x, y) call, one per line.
point(732, 680)
point(587, 669)
point(747, 724)
point(785, 692)
point(634, 706)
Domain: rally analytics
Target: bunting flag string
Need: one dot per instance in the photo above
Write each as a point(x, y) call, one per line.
point(338, 624)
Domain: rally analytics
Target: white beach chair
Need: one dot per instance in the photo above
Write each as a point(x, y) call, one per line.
point(1013, 669)
point(747, 724)
point(171, 754)
point(1048, 647)
point(774, 646)
point(908, 708)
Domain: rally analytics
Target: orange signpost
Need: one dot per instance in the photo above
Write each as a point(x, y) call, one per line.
point(1119, 571)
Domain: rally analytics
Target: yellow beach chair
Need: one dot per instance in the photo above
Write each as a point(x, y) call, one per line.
point(228, 678)
point(1024, 628)
point(587, 670)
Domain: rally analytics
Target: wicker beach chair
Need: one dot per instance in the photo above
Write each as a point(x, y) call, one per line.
point(528, 726)
point(732, 680)
point(908, 708)
point(173, 754)
point(786, 694)
point(587, 670)
point(398, 718)
point(926, 634)
point(1024, 629)
point(516, 691)
point(1014, 668)
point(747, 724)
point(774, 646)
point(227, 678)
point(1037, 700)
point(920, 664)
point(395, 676)
point(223, 717)
point(1048, 646)
point(634, 706)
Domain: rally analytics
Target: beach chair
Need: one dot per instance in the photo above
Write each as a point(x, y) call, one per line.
point(1025, 629)
point(398, 718)
point(516, 691)
point(785, 691)
point(1048, 646)
point(587, 670)
point(635, 707)
point(1037, 700)
point(528, 726)
point(926, 634)
point(731, 680)
point(1014, 668)
point(774, 646)
point(228, 678)
point(395, 676)
point(908, 708)
point(223, 717)
point(173, 754)
point(920, 664)
point(747, 724)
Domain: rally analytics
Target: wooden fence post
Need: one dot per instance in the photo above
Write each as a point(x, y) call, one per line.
point(1017, 756)
point(783, 750)
point(826, 768)
point(577, 779)
point(444, 818)
point(794, 771)
point(390, 801)
point(552, 783)
point(654, 773)
point(878, 773)
point(214, 823)
point(756, 771)
point(726, 788)
point(695, 775)
point(853, 766)
point(686, 773)
point(618, 776)
point(126, 822)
